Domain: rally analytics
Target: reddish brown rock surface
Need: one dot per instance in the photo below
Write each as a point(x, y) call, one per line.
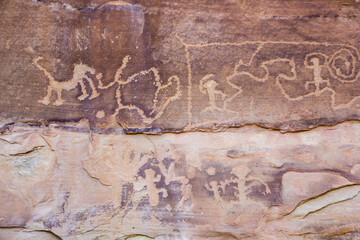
point(252, 106)
point(180, 65)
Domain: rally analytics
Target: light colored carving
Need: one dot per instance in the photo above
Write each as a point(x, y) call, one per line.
point(317, 62)
point(239, 89)
point(189, 87)
point(100, 114)
point(216, 188)
point(150, 179)
point(118, 75)
point(352, 76)
point(208, 86)
point(347, 56)
point(79, 74)
point(157, 110)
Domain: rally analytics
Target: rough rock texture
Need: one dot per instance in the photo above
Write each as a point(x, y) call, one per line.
point(155, 66)
point(179, 119)
point(248, 183)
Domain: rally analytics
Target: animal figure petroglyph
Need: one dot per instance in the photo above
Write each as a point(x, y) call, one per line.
point(295, 70)
point(162, 97)
point(246, 72)
point(160, 100)
point(80, 73)
point(317, 68)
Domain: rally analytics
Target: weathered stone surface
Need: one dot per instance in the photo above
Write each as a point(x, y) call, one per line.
point(248, 183)
point(180, 65)
point(252, 106)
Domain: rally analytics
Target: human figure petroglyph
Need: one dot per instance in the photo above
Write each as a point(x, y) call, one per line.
point(209, 81)
point(147, 186)
point(80, 73)
point(298, 70)
point(208, 86)
point(330, 66)
point(316, 62)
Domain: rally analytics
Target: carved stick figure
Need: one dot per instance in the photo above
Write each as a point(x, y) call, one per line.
point(208, 85)
point(316, 62)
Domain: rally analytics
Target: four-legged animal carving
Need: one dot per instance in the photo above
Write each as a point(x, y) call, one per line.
point(80, 73)
point(315, 68)
point(297, 70)
point(164, 94)
point(160, 100)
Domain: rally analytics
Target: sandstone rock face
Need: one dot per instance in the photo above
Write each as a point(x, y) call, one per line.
point(179, 119)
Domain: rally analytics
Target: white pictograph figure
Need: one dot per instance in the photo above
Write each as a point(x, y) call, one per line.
point(80, 74)
point(317, 62)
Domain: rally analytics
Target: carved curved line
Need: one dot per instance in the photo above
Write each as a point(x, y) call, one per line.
point(118, 74)
point(190, 44)
point(47, 74)
point(337, 75)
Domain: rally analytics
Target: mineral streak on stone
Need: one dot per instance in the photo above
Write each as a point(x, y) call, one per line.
point(219, 94)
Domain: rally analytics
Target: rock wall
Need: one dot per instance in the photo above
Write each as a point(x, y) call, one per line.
point(174, 120)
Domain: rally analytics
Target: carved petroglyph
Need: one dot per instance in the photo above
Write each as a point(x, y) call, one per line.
point(80, 73)
point(158, 106)
point(296, 70)
point(161, 99)
point(327, 71)
point(232, 81)
point(118, 74)
point(330, 67)
point(348, 59)
point(208, 86)
point(316, 62)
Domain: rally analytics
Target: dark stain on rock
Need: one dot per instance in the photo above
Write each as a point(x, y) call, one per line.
point(52, 221)
point(222, 174)
point(126, 194)
point(167, 162)
point(96, 210)
point(150, 164)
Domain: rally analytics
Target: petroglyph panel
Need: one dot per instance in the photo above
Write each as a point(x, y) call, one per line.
point(81, 185)
point(238, 81)
point(114, 65)
point(98, 67)
point(179, 119)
